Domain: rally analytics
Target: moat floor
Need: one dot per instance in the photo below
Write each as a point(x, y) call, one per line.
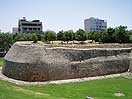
point(98, 89)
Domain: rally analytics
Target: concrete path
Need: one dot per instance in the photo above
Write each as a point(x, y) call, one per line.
point(5, 78)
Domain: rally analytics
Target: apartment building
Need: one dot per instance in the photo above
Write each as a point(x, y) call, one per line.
point(94, 24)
point(25, 26)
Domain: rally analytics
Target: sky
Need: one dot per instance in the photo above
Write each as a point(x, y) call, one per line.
point(60, 15)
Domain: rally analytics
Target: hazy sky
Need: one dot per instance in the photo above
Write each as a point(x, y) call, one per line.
point(65, 14)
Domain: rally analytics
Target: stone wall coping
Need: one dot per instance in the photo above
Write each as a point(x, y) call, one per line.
point(89, 48)
point(66, 47)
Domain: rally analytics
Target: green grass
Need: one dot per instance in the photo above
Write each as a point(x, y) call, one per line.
point(1, 61)
point(99, 89)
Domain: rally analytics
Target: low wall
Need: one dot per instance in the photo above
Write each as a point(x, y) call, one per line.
point(42, 63)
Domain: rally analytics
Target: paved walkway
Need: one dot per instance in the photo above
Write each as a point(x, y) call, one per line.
point(5, 78)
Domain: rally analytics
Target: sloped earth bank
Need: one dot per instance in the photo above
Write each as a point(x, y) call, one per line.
point(42, 62)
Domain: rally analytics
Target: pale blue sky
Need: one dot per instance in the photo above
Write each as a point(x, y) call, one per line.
point(65, 14)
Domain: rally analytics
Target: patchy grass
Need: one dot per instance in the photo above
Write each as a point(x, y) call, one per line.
point(98, 89)
point(1, 61)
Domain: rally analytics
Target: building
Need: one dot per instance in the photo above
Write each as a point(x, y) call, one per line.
point(15, 30)
point(25, 26)
point(94, 24)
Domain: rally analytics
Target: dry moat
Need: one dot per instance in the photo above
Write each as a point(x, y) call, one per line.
point(44, 62)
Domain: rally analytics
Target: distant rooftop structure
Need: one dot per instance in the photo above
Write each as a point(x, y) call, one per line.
point(25, 26)
point(94, 24)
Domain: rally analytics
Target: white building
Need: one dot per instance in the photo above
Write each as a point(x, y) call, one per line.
point(25, 26)
point(94, 24)
point(15, 30)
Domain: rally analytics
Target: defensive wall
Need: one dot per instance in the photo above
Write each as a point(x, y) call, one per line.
point(34, 62)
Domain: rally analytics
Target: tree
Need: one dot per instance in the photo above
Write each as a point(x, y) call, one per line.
point(34, 38)
point(6, 40)
point(72, 35)
point(60, 36)
point(18, 37)
point(40, 36)
point(130, 35)
point(80, 35)
point(27, 37)
point(121, 35)
point(43, 37)
point(50, 36)
point(108, 35)
point(95, 35)
point(68, 36)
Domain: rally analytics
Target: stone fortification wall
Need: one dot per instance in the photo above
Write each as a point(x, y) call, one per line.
point(42, 63)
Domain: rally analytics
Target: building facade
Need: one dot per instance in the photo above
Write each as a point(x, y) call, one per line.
point(15, 30)
point(25, 26)
point(94, 24)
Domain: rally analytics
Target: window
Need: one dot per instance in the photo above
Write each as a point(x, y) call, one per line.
point(35, 29)
point(30, 28)
point(39, 24)
point(24, 28)
point(29, 24)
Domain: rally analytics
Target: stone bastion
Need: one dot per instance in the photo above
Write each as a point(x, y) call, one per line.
point(34, 62)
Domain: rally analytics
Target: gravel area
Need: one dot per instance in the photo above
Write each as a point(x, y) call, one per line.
point(5, 78)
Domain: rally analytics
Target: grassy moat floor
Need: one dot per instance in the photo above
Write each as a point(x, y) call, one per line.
point(98, 89)
point(1, 61)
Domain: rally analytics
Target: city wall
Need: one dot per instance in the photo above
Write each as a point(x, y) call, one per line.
point(45, 63)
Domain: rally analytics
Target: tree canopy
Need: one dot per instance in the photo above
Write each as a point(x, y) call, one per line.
point(50, 36)
point(118, 34)
point(80, 35)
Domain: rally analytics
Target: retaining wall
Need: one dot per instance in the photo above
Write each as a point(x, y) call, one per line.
point(42, 63)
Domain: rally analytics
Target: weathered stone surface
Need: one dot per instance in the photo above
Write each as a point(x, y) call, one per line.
point(130, 67)
point(43, 63)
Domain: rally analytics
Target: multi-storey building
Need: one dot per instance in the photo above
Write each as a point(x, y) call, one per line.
point(94, 24)
point(25, 26)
